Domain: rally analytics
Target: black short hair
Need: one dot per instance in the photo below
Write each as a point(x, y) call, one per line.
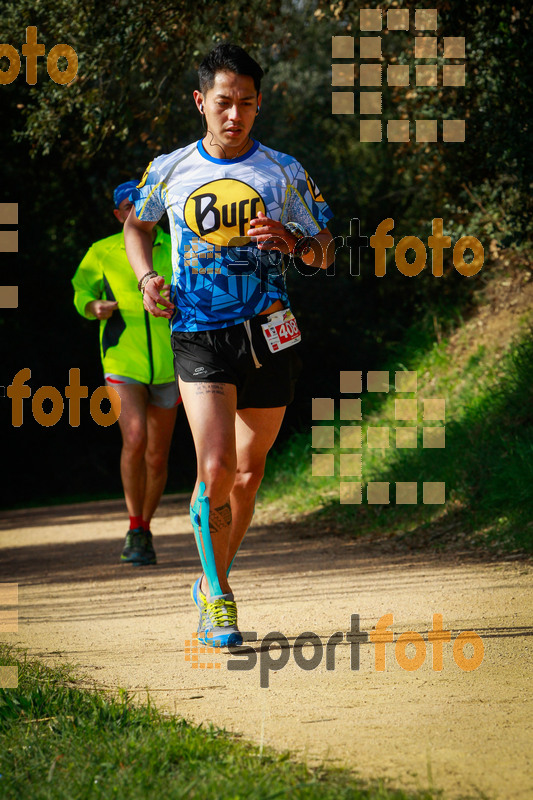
point(230, 58)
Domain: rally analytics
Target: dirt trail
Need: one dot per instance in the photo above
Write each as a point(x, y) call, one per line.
point(460, 731)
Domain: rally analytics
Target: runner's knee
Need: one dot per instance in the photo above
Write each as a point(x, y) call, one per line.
point(218, 473)
point(134, 441)
point(156, 460)
point(250, 481)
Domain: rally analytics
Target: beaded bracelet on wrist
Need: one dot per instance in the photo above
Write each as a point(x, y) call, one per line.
point(145, 278)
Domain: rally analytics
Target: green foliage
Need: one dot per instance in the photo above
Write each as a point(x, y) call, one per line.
point(64, 742)
point(486, 463)
point(65, 148)
point(131, 58)
point(136, 63)
point(481, 187)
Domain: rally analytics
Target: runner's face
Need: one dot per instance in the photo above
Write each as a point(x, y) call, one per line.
point(122, 212)
point(230, 109)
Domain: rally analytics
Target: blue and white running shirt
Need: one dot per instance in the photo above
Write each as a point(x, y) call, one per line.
point(220, 277)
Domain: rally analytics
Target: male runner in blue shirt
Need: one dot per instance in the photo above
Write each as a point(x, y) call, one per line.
point(234, 206)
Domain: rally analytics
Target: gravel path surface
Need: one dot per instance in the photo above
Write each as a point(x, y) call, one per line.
point(462, 731)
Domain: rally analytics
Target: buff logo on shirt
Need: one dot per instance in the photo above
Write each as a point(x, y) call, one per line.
point(220, 277)
point(313, 188)
point(144, 177)
point(220, 211)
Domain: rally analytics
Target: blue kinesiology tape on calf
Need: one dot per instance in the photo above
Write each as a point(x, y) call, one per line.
point(200, 523)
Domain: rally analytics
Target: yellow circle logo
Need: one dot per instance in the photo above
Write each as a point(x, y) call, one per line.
point(220, 211)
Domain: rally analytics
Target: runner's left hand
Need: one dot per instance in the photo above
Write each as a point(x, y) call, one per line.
point(270, 234)
point(153, 298)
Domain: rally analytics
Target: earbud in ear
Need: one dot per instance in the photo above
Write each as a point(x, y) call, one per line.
point(258, 110)
point(201, 108)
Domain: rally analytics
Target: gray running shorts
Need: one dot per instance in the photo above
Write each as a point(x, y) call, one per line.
point(162, 395)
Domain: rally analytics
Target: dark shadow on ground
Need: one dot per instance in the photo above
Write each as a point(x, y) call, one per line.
point(278, 549)
point(80, 512)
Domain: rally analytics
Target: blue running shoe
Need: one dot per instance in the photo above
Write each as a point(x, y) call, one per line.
point(220, 622)
point(200, 601)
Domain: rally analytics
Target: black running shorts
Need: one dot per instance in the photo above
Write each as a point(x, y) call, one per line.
point(230, 355)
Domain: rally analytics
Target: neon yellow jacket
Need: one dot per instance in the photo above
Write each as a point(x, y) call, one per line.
point(133, 343)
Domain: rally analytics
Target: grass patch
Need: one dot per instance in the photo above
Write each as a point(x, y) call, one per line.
point(62, 741)
point(486, 464)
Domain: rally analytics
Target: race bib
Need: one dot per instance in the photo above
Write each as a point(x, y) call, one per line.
point(281, 330)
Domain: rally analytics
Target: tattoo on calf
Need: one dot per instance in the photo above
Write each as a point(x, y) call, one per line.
point(220, 518)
